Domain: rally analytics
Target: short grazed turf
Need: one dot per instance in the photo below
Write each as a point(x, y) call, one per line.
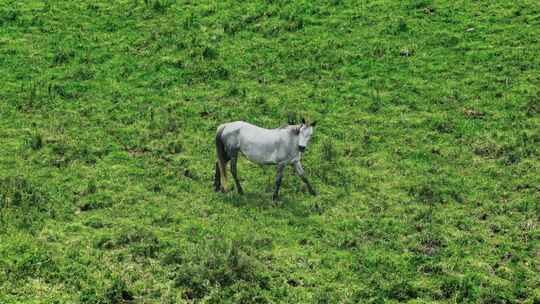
point(426, 154)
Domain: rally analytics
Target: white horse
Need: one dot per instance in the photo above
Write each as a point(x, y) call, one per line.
point(279, 147)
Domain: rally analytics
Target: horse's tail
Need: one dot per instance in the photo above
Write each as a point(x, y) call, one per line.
point(221, 156)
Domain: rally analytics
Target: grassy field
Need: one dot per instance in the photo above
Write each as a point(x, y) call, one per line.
point(426, 154)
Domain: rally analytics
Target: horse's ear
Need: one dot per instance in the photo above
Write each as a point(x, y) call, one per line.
point(303, 121)
point(313, 124)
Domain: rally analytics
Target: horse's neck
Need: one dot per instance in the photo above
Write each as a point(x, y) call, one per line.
point(293, 133)
point(290, 132)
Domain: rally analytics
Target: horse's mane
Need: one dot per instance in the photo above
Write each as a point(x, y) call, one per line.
point(293, 128)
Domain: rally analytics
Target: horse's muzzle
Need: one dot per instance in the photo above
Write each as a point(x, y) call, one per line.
point(302, 148)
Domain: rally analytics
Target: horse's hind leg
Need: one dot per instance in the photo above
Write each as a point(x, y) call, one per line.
point(224, 185)
point(234, 161)
point(217, 179)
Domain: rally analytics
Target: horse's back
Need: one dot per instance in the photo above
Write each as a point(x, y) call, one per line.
point(242, 127)
point(241, 132)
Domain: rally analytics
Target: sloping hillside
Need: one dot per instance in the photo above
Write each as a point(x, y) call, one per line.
point(425, 155)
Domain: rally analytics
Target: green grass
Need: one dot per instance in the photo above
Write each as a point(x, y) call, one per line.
point(426, 153)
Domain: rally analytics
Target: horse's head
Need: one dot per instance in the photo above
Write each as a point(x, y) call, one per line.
point(304, 133)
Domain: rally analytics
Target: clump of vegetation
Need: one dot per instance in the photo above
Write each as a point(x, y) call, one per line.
point(219, 264)
point(23, 204)
point(159, 6)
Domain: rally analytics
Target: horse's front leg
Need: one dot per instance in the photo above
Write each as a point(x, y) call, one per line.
point(217, 179)
point(279, 176)
point(300, 171)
